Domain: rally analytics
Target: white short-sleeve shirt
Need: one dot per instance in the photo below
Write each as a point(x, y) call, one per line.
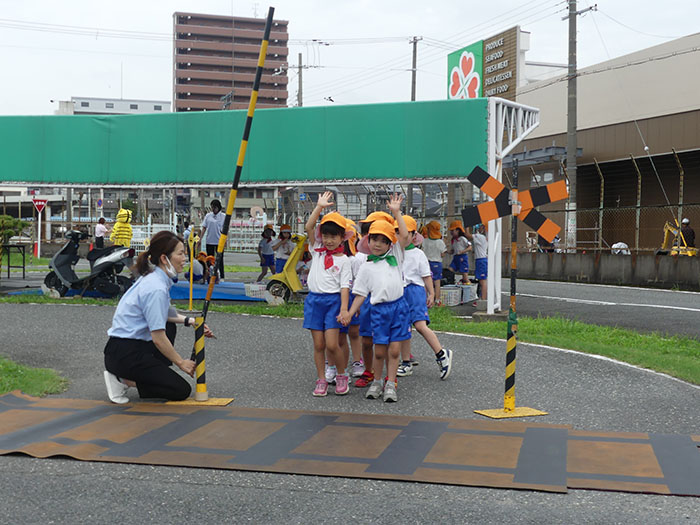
point(460, 244)
point(433, 249)
point(284, 250)
point(480, 245)
point(265, 246)
point(334, 278)
point(213, 224)
point(415, 267)
point(383, 281)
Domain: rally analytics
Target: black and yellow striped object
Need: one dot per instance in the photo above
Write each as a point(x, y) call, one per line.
point(500, 206)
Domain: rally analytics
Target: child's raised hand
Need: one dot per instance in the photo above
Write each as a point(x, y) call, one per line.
point(394, 203)
point(325, 199)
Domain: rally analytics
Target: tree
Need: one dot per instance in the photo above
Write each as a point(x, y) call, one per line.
point(9, 227)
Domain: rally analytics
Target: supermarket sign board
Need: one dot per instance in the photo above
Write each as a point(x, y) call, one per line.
point(487, 68)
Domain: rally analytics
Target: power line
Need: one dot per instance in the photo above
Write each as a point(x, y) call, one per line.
point(633, 29)
point(324, 87)
point(354, 80)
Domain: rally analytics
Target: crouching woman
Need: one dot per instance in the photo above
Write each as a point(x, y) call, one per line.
point(140, 349)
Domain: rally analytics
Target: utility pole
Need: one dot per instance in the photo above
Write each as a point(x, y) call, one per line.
point(414, 41)
point(571, 140)
point(300, 102)
point(414, 67)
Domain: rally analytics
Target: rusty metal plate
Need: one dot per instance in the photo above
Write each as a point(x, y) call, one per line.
point(505, 454)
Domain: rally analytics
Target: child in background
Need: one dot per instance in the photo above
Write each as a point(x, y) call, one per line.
point(434, 248)
point(481, 263)
point(353, 329)
point(381, 276)
point(460, 245)
point(365, 331)
point(266, 253)
point(283, 247)
point(329, 292)
point(303, 267)
point(419, 297)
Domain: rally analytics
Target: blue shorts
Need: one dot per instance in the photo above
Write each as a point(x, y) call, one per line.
point(268, 260)
point(279, 265)
point(460, 263)
point(321, 311)
point(355, 320)
point(482, 268)
point(436, 270)
point(416, 299)
point(390, 322)
point(365, 321)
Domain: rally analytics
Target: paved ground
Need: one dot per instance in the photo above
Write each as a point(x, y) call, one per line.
point(642, 309)
point(265, 362)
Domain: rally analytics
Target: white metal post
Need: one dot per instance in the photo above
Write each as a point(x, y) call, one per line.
point(38, 235)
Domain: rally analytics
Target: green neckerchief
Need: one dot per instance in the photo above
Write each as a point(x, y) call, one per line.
point(386, 257)
point(410, 246)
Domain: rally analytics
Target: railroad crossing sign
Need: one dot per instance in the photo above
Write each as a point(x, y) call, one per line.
point(39, 204)
point(503, 205)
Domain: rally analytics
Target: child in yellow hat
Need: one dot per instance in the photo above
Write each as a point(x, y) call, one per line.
point(329, 285)
point(459, 248)
point(419, 296)
point(283, 247)
point(381, 280)
point(434, 248)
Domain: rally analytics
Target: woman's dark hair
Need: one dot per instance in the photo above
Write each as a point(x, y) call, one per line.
point(163, 242)
point(216, 203)
point(364, 228)
point(331, 228)
point(379, 236)
point(101, 220)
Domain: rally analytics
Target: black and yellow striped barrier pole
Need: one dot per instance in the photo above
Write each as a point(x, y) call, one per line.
point(234, 191)
point(201, 393)
point(241, 158)
point(509, 409)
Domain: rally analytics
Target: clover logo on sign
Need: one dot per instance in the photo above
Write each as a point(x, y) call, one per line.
point(464, 80)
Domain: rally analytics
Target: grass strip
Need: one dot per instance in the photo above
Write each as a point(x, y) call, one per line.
point(32, 381)
point(43, 299)
point(236, 268)
point(678, 356)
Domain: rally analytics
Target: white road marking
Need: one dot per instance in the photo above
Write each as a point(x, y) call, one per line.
point(641, 288)
point(606, 303)
point(576, 352)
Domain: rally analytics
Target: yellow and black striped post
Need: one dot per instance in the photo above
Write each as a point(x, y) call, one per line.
point(241, 157)
point(201, 393)
point(192, 240)
point(509, 408)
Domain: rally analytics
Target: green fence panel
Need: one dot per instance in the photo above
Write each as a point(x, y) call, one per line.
point(398, 141)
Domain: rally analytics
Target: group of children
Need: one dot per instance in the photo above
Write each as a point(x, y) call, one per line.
point(461, 243)
point(373, 291)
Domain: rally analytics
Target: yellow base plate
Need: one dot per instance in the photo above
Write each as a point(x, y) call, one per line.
point(211, 402)
point(500, 413)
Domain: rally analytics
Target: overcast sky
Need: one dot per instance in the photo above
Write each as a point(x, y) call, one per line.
point(58, 58)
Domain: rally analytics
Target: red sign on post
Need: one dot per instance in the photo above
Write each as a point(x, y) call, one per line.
point(39, 204)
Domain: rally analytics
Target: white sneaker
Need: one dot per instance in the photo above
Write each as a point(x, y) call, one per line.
point(116, 390)
point(358, 368)
point(331, 372)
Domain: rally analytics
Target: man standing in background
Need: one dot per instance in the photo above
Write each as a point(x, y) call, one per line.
point(211, 226)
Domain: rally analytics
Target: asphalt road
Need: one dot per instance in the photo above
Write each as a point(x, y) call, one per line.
point(266, 362)
point(641, 309)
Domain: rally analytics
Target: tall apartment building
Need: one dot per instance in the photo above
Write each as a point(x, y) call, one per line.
point(215, 55)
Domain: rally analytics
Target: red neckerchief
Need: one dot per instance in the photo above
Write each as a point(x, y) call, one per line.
point(328, 259)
